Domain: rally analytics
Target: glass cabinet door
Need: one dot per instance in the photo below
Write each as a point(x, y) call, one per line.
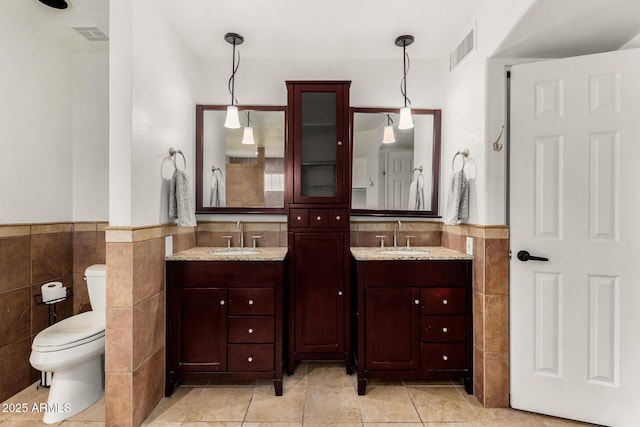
point(319, 143)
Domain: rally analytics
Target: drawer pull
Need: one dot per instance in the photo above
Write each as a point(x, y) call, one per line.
point(445, 330)
point(250, 330)
point(445, 302)
point(318, 218)
point(445, 357)
point(337, 217)
point(250, 359)
point(299, 218)
point(250, 302)
point(339, 142)
point(221, 302)
point(416, 302)
point(340, 293)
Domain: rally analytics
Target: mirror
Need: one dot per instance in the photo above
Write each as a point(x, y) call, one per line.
point(400, 177)
point(233, 175)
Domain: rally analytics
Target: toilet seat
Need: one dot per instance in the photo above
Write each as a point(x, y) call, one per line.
point(71, 332)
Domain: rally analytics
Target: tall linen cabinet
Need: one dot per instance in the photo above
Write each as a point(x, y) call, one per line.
point(318, 222)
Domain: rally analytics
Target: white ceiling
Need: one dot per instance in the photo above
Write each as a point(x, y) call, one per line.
point(357, 28)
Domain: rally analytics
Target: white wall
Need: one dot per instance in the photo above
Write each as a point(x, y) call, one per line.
point(35, 124)
point(90, 137)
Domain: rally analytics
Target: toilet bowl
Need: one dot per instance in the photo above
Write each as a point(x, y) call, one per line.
point(73, 350)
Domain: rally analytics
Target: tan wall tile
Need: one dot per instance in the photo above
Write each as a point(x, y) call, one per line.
point(84, 250)
point(496, 388)
point(148, 387)
point(119, 340)
point(51, 228)
point(148, 268)
point(118, 400)
point(15, 309)
point(478, 374)
point(148, 328)
point(478, 320)
point(14, 230)
point(497, 267)
point(85, 226)
point(479, 266)
point(119, 274)
point(15, 262)
point(15, 370)
point(51, 256)
point(496, 312)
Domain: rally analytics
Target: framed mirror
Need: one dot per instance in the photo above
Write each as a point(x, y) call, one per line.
point(240, 170)
point(395, 172)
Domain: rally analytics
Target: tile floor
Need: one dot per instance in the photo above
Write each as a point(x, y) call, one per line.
point(318, 395)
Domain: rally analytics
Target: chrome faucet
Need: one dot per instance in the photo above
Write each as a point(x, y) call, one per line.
point(240, 228)
point(397, 226)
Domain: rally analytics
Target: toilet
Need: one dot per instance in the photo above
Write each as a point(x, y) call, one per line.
point(73, 350)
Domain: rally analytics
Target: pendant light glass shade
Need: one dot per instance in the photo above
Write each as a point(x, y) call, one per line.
point(233, 120)
point(247, 136)
point(405, 122)
point(388, 137)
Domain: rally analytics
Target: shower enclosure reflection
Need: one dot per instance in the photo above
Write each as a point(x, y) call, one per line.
point(400, 175)
point(240, 170)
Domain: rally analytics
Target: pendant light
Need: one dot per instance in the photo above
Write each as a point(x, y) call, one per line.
point(247, 136)
point(388, 137)
point(405, 122)
point(233, 121)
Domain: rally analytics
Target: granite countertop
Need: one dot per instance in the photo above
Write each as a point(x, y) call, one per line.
point(229, 254)
point(403, 253)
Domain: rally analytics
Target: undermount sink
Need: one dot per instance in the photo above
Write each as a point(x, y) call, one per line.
point(400, 251)
point(235, 251)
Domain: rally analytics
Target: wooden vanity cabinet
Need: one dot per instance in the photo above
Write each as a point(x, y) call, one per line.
point(318, 222)
point(414, 320)
point(224, 320)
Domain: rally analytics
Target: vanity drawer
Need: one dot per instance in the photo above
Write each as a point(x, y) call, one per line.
point(443, 328)
point(251, 329)
point(251, 357)
point(299, 218)
point(443, 300)
point(251, 301)
point(444, 356)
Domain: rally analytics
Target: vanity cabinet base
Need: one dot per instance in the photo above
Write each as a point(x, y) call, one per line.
point(414, 320)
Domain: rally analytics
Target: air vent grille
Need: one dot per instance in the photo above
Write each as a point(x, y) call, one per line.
point(462, 50)
point(91, 33)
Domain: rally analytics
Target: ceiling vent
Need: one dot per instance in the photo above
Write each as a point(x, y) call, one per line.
point(462, 50)
point(91, 32)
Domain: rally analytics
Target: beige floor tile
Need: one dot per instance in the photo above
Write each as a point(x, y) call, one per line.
point(460, 424)
point(393, 424)
point(261, 424)
point(496, 415)
point(176, 407)
point(387, 404)
point(267, 407)
point(94, 412)
point(212, 424)
point(83, 424)
point(331, 424)
point(331, 405)
point(26, 423)
point(329, 374)
point(442, 404)
point(221, 404)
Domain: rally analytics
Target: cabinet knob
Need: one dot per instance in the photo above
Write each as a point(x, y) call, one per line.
point(221, 302)
point(445, 330)
point(318, 218)
point(445, 302)
point(445, 357)
point(339, 142)
point(250, 302)
point(250, 359)
point(299, 218)
point(340, 293)
point(416, 302)
point(250, 330)
point(337, 217)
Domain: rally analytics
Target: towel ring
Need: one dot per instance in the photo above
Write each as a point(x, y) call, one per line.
point(464, 154)
point(173, 153)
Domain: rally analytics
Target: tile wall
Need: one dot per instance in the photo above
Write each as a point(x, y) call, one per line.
point(30, 256)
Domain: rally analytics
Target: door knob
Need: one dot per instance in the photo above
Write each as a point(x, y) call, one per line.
point(526, 256)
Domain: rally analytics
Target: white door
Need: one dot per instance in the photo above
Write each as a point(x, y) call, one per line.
point(398, 171)
point(575, 199)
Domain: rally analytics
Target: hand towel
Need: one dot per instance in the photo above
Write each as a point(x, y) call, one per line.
point(458, 199)
point(217, 196)
point(179, 200)
point(416, 193)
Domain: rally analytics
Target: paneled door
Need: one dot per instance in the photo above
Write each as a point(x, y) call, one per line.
point(574, 318)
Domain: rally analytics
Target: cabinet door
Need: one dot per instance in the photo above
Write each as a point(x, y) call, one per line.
point(320, 141)
point(199, 329)
point(319, 286)
point(392, 329)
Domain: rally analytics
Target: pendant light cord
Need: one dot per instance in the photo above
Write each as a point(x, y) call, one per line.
point(403, 83)
point(232, 80)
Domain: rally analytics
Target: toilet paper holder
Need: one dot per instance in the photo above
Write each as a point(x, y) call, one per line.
point(52, 305)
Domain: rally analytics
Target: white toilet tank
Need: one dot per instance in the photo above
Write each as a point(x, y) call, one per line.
point(96, 277)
